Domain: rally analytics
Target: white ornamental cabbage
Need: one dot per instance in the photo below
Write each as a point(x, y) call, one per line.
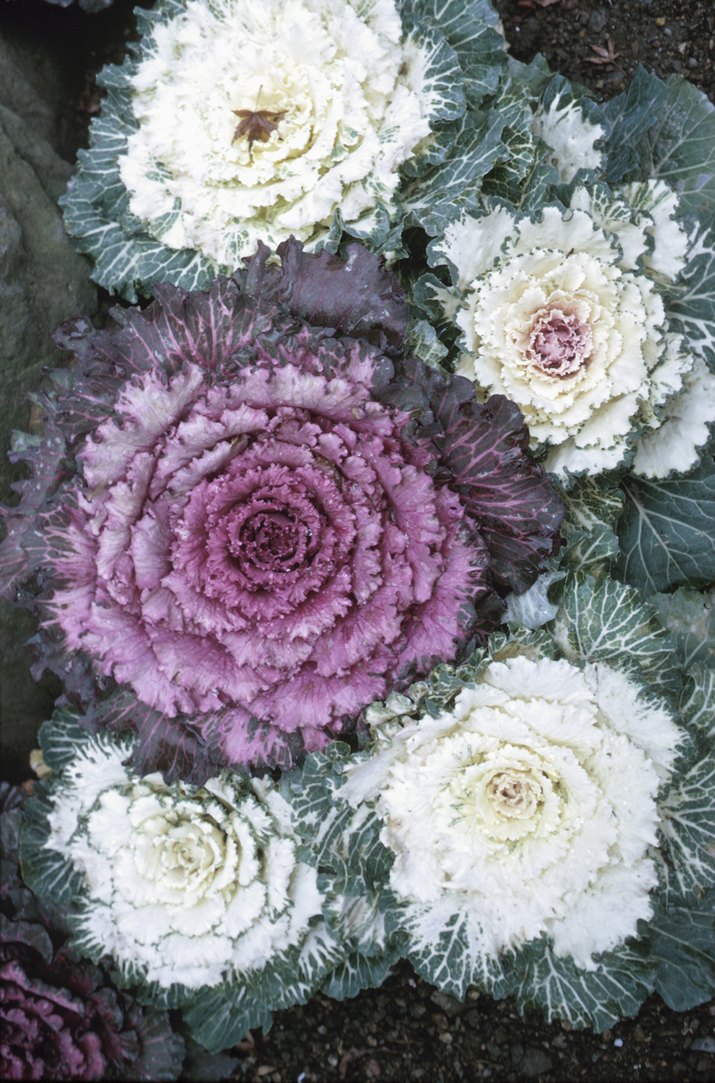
point(525, 810)
point(258, 119)
point(563, 314)
point(182, 885)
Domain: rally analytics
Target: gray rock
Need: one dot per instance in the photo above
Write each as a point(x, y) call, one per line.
point(43, 282)
point(597, 20)
point(703, 1045)
point(534, 1062)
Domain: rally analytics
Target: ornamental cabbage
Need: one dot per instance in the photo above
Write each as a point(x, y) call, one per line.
point(201, 895)
point(526, 809)
point(256, 526)
point(61, 1018)
point(300, 124)
point(538, 821)
point(562, 312)
point(184, 885)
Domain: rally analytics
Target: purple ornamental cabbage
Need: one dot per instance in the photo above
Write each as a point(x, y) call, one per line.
point(61, 1018)
point(255, 518)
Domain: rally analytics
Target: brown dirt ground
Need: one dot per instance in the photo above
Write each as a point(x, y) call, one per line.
point(405, 1030)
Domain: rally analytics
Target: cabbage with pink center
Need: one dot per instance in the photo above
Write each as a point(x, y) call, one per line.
point(272, 519)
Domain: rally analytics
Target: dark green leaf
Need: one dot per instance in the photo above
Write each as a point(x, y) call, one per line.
point(683, 946)
point(585, 998)
point(667, 531)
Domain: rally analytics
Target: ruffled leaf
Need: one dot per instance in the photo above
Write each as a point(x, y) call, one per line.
point(354, 296)
point(451, 187)
point(691, 299)
point(515, 506)
point(444, 952)
point(44, 869)
point(697, 701)
point(473, 32)
point(592, 511)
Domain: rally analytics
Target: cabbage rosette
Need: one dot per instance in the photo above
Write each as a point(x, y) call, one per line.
point(254, 526)
point(301, 123)
point(200, 895)
point(562, 313)
point(542, 816)
point(60, 1017)
point(583, 287)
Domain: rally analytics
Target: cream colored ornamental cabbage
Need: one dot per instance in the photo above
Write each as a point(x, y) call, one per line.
point(258, 119)
point(182, 885)
point(527, 809)
point(563, 314)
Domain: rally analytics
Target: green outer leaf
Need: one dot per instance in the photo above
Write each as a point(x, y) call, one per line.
point(443, 952)
point(630, 117)
point(357, 972)
point(683, 946)
point(667, 531)
point(473, 31)
point(664, 130)
point(697, 702)
point(219, 1018)
point(688, 827)
point(343, 841)
point(597, 998)
point(592, 511)
point(690, 301)
point(690, 616)
point(683, 146)
point(452, 187)
point(44, 870)
point(609, 622)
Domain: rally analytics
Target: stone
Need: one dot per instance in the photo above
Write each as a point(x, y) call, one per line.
point(43, 282)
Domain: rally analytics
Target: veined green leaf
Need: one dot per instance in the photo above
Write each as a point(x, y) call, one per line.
point(690, 616)
point(690, 302)
point(688, 826)
point(609, 622)
point(697, 702)
point(682, 944)
point(667, 531)
point(585, 998)
point(445, 951)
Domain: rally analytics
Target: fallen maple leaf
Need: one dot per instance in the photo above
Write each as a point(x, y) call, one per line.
point(603, 56)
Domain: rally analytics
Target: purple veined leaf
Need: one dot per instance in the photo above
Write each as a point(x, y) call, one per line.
point(355, 296)
point(482, 452)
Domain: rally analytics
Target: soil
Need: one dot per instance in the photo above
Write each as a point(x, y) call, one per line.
point(601, 44)
point(405, 1030)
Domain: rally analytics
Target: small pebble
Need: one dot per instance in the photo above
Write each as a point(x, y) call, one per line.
point(703, 1045)
point(618, 1042)
point(692, 62)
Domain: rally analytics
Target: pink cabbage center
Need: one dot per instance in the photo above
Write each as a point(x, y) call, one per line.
point(559, 343)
